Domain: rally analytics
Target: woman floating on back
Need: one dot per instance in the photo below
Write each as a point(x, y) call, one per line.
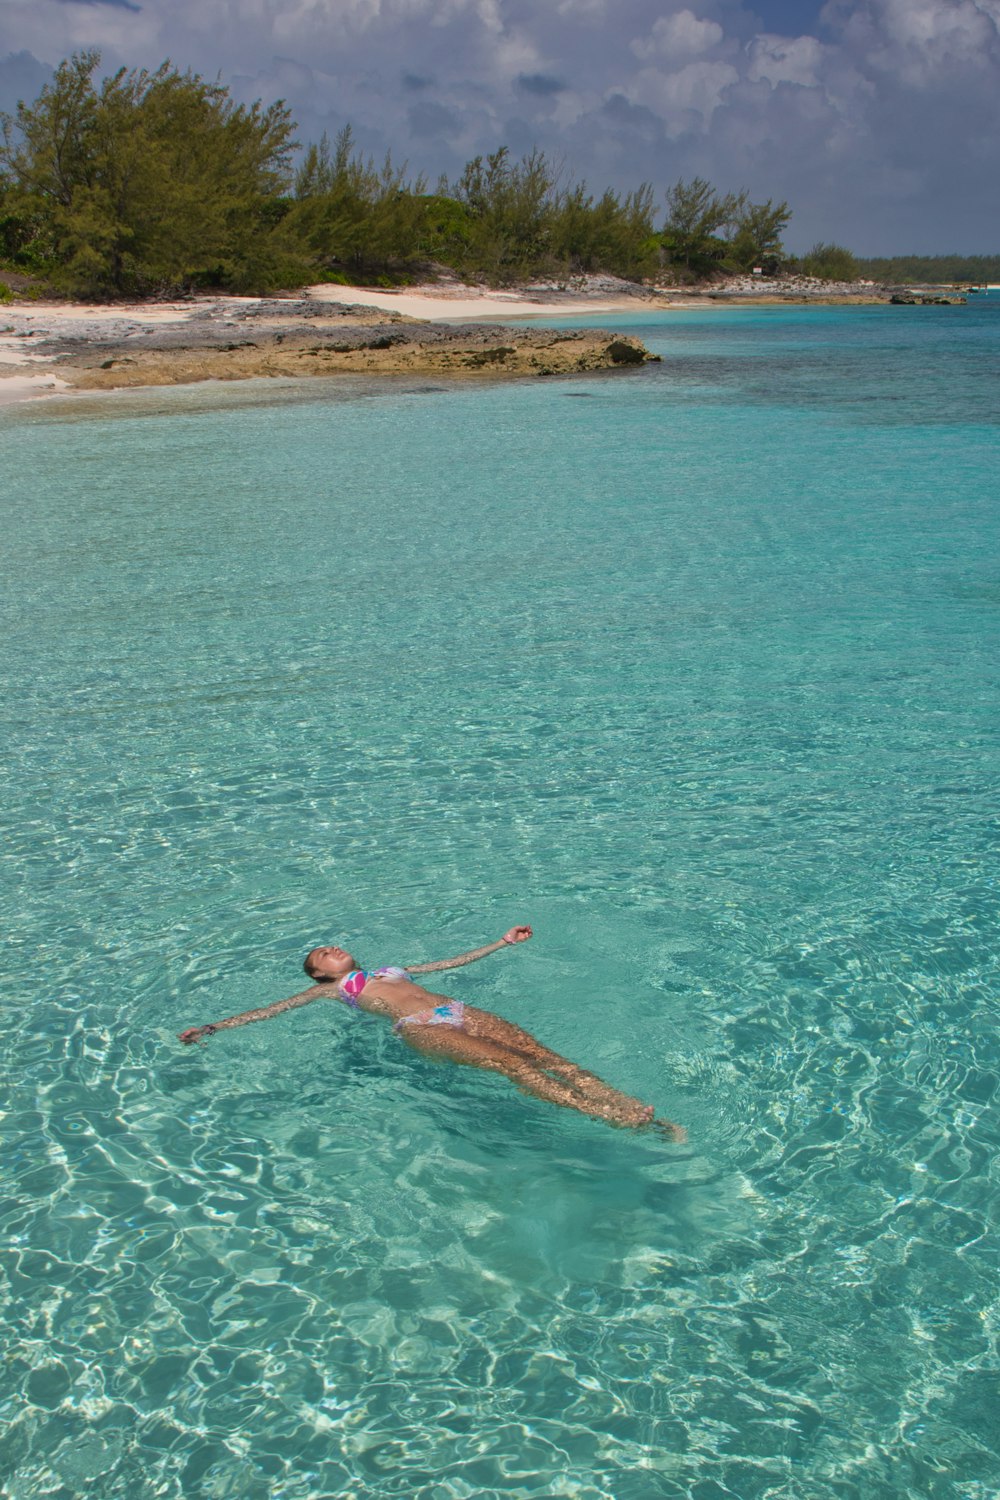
point(451, 1030)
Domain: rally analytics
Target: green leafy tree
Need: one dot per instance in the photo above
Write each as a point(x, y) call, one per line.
point(150, 180)
point(697, 216)
point(756, 235)
point(44, 162)
point(350, 213)
point(316, 173)
point(24, 242)
point(509, 211)
point(612, 234)
point(629, 244)
point(445, 229)
point(830, 263)
point(573, 236)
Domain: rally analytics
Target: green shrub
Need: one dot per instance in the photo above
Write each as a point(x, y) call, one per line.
point(831, 263)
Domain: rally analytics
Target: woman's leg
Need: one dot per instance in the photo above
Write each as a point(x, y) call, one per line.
point(457, 1045)
point(482, 1023)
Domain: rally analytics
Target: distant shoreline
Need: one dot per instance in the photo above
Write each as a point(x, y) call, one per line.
point(591, 296)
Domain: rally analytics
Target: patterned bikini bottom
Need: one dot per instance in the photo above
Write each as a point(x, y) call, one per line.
point(452, 1013)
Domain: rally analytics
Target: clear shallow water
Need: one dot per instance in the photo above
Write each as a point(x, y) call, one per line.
point(696, 670)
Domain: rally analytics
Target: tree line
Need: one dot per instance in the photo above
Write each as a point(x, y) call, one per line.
point(835, 263)
point(147, 183)
point(971, 269)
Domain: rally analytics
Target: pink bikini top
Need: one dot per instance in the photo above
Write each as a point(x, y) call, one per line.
point(352, 984)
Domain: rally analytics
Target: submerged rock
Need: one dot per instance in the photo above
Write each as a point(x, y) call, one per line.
point(922, 299)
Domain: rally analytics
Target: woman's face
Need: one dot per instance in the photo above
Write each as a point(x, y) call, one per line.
point(330, 963)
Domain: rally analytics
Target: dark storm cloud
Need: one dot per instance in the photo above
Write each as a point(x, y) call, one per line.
point(631, 125)
point(539, 83)
point(874, 118)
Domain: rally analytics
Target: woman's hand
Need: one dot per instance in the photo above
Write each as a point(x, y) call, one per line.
point(194, 1034)
point(517, 935)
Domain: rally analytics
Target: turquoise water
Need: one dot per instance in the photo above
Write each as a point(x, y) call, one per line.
point(696, 670)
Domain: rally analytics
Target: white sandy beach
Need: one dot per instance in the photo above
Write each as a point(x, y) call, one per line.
point(459, 303)
point(26, 387)
point(24, 325)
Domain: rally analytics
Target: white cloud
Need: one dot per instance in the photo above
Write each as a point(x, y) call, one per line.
point(917, 39)
point(677, 37)
point(696, 89)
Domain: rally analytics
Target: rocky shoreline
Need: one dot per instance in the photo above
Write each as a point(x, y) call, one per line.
point(241, 339)
point(809, 290)
point(465, 351)
point(48, 347)
point(738, 290)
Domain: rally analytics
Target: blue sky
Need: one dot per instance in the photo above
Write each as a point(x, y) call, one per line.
point(877, 120)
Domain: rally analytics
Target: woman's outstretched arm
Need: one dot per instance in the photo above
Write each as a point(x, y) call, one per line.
point(515, 935)
point(263, 1013)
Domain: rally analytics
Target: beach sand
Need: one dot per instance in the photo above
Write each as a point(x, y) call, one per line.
point(28, 329)
point(586, 296)
point(22, 387)
point(449, 302)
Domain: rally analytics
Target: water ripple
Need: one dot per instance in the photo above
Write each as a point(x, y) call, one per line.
point(700, 679)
